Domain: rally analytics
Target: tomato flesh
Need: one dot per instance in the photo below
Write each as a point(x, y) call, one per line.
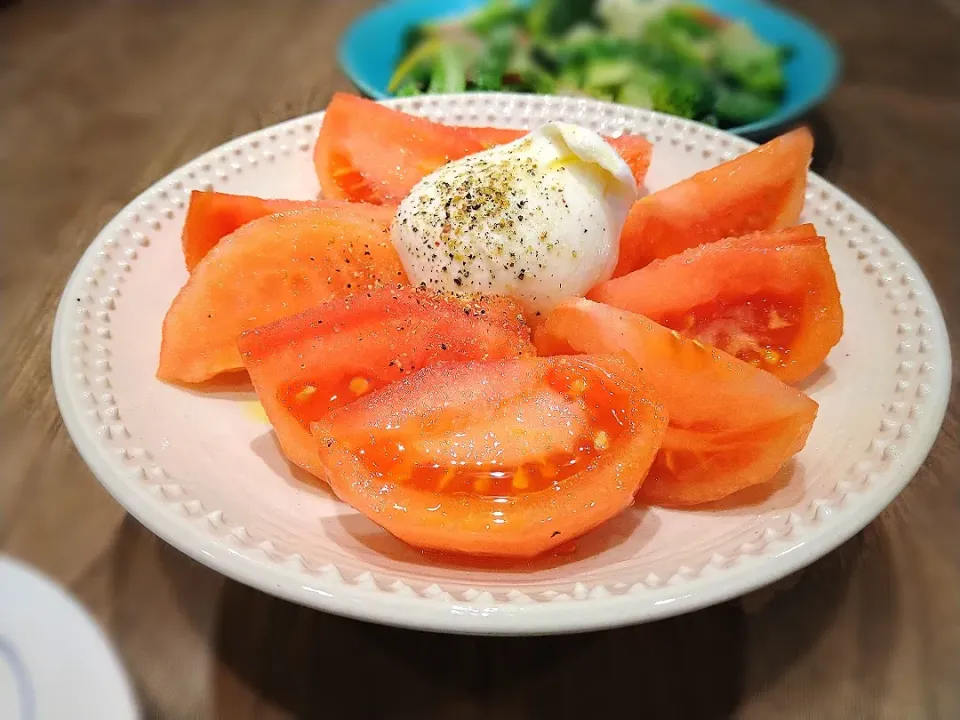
point(731, 424)
point(529, 443)
point(367, 152)
point(506, 458)
point(305, 366)
point(761, 190)
point(270, 268)
point(212, 216)
point(768, 298)
point(756, 330)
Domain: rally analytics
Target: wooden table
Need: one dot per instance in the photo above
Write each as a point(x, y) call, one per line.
point(98, 99)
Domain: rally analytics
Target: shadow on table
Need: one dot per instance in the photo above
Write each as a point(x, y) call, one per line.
point(794, 620)
point(826, 153)
point(305, 662)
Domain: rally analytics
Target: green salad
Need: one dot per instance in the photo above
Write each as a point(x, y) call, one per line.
point(670, 56)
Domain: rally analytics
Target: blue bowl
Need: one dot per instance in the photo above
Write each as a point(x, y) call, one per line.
point(371, 48)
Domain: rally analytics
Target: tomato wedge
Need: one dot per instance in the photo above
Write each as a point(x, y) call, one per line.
point(305, 366)
point(636, 151)
point(270, 268)
point(214, 215)
point(369, 153)
point(731, 424)
point(768, 298)
point(508, 458)
point(761, 190)
point(489, 137)
point(366, 152)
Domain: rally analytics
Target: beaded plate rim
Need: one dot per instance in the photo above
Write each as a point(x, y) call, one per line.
point(81, 374)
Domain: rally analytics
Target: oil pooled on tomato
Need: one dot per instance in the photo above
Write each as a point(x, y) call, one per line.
point(308, 402)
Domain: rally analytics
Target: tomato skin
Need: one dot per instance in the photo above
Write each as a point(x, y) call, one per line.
point(489, 137)
point(214, 215)
point(636, 151)
point(402, 148)
point(393, 151)
point(379, 337)
point(270, 268)
point(790, 268)
point(731, 424)
point(518, 526)
point(761, 190)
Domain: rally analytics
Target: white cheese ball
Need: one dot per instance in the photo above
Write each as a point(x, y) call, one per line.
point(538, 219)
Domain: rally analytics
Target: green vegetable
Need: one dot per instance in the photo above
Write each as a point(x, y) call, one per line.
point(607, 73)
point(570, 80)
point(751, 63)
point(686, 20)
point(635, 95)
point(555, 17)
point(524, 74)
point(491, 63)
point(666, 54)
point(495, 15)
point(628, 18)
point(676, 98)
point(418, 64)
point(640, 88)
point(736, 107)
point(449, 71)
point(407, 89)
point(672, 41)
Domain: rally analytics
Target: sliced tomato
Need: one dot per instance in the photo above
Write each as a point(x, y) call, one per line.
point(508, 458)
point(768, 298)
point(489, 137)
point(761, 190)
point(214, 215)
point(367, 152)
point(636, 151)
point(731, 424)
point(307, 365)
point(270, 268)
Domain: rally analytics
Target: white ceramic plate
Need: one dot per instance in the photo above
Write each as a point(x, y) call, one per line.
point(203, 470)
point(54, 661)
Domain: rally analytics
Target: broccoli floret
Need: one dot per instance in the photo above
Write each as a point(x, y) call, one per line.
point(606, 73)
point(738, 107)
point(491, 62)
point(627, 18)
point(640, 88)
point(670, 39)
point(748, 61)
point(635, 95)
point(598, 47)
point(548, 18)
point(689, 20)
point(675, 100)
point(494, 15)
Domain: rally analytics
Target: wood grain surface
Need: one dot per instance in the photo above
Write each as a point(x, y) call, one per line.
point(99, 99)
